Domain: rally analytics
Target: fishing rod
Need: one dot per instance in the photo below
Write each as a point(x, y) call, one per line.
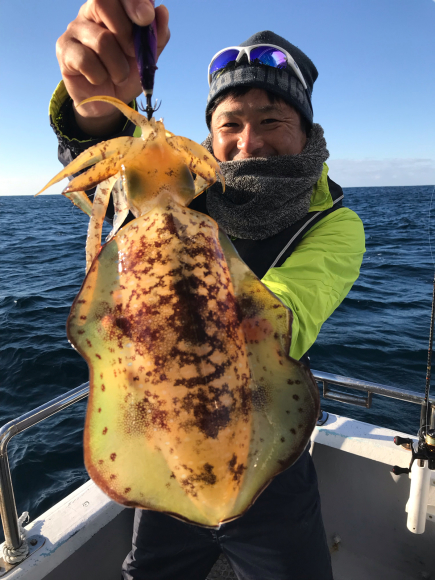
point(423, 451)
point(426, 422)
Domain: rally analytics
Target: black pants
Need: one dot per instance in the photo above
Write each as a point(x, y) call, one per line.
point(281, 537)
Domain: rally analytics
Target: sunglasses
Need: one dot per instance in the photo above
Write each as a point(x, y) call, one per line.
point(267, 54)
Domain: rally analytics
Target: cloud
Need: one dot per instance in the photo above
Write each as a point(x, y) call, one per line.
point(382, 172)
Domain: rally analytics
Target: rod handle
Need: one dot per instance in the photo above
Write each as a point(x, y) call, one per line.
point(402, 440)
point(399, 470)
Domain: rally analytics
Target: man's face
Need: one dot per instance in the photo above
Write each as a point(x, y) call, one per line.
point(251, 126)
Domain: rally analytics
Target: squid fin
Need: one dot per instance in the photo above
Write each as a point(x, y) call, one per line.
point(286, 394)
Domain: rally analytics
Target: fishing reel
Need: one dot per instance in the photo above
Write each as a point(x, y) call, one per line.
point(420, 467)
point(425, 450)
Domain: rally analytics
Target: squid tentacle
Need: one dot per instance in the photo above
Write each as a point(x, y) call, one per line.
point(99, 207)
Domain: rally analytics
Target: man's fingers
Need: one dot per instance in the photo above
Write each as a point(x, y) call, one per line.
point(163, 33)
point(106, 47)
point(117, 16)
point(80, 60)
point(139, 11)
point(74, 58)
point(111, 14)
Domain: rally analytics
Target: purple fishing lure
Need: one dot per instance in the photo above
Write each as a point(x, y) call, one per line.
point(145, 46)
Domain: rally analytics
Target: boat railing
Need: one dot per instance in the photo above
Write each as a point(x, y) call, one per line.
point(369, 389)
point(8, 510)
point(330, 382)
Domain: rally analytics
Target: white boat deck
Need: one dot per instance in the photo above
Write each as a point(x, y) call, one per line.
point(87, 535)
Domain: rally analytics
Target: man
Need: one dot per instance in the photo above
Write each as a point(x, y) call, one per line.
point(285, 218)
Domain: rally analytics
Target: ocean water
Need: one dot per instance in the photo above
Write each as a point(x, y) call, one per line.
point(379, 333)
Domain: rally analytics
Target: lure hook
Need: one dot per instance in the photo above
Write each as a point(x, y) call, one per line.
point(149, 109)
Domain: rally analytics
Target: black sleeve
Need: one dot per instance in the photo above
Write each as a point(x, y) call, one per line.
point(72, 141)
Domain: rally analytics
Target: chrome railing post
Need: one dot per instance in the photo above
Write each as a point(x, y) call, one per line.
point(8, 509)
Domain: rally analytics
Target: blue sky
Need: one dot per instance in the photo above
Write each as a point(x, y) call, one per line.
point(374, 96)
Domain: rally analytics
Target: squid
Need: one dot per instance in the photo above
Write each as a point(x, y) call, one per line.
point(194, 404)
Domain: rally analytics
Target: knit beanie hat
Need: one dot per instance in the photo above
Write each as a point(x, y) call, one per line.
point(282, 82)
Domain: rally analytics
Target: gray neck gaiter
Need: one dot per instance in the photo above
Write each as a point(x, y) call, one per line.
point(266, 195)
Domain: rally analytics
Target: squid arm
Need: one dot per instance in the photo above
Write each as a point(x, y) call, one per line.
point(121, 208)
point(99, 207)
point(203, 164)
point(201, 185)
point(80, 200)
point(101, 153)
point(197, 158)
point(130, 113)
point(93, 155)
point(97, 173)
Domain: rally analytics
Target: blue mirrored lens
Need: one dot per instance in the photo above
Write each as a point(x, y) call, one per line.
point(269, 56)
point(223, 59)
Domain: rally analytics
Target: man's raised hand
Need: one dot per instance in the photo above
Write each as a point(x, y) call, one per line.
point(96, 57)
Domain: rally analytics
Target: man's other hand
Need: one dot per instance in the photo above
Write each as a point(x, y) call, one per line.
point(96, 57)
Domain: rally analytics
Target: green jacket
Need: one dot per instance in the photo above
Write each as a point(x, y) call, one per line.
point(317, 276)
